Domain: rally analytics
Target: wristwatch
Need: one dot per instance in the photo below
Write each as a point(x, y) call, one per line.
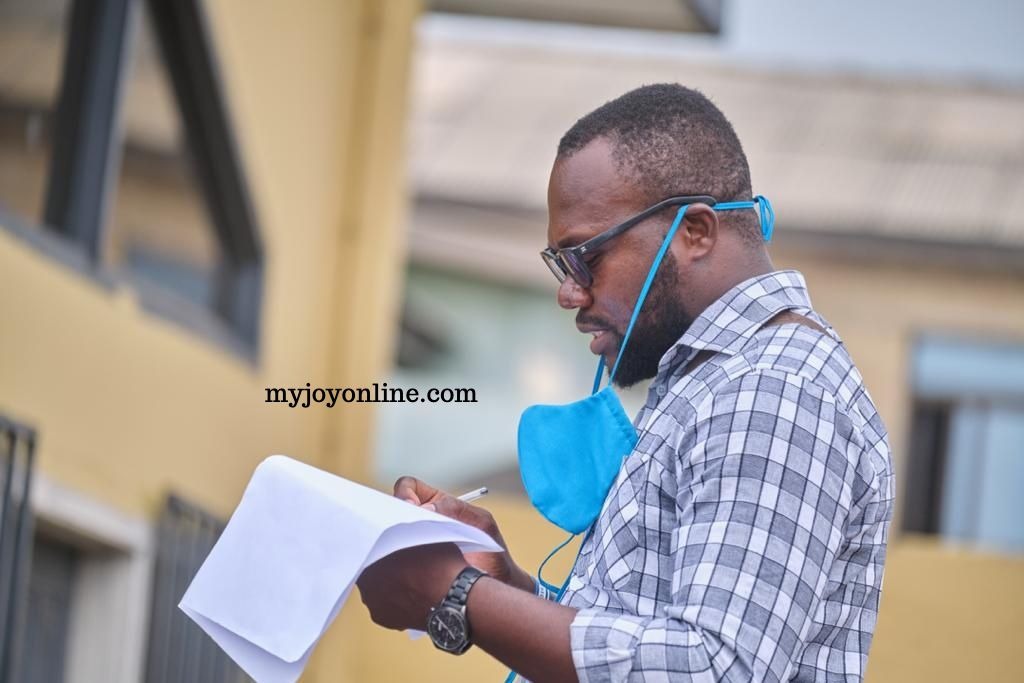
point(447, 623)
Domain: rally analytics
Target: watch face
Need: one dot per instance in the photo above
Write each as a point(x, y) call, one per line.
point(447, 628)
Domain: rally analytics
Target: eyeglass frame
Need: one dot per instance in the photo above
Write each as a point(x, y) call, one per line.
point(556, 260)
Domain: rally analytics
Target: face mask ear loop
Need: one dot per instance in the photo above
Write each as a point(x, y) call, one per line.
point(540, 570)
point(559, 592)
point(647, 286)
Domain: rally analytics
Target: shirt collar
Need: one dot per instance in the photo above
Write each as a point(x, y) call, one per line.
point(727, 324)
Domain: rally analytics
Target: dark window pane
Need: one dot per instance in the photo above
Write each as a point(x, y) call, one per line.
point(160, 230)
point(929, 437)
point(32, 43)
point(48, 612)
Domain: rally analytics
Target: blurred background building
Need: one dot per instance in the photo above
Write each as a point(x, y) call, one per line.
point(199, 200)
point(891, 141)
point(204, 198)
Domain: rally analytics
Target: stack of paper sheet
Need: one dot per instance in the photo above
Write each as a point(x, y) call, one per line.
point(290, 556)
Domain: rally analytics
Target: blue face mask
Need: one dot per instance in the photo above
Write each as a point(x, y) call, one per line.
point(569, 455)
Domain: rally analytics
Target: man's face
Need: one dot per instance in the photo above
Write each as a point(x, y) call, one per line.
point(586, 196)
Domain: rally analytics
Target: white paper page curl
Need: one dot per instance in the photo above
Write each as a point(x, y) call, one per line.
point(289, 558)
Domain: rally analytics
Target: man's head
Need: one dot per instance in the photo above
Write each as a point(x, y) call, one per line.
point(649, 144)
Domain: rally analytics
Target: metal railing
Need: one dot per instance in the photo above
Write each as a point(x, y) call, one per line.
point(17, 451)
point(179, 651)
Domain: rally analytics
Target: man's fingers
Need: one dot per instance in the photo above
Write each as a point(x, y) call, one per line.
point(414, 490)
point(472, 515)
point(405, 488)
point(425, 495)
point(449, 506)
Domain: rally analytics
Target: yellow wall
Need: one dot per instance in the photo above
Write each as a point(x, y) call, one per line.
point(949, 614)
point(128, 405)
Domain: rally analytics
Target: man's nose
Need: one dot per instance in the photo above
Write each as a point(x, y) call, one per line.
point(572, 295)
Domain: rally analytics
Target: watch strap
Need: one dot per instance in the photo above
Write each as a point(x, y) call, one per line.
point(459, 591)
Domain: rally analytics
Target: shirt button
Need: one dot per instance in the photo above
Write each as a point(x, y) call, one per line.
point(661, 390)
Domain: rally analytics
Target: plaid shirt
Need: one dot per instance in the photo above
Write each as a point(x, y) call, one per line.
point(744, 537)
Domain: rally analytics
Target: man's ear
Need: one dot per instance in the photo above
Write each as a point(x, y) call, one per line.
point(699, 233)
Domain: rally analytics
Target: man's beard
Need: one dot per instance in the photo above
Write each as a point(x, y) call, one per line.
point(661, 323)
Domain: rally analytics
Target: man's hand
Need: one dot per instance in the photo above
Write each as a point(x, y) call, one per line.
point(498, 565)
point(525, 632)
point(400, 588)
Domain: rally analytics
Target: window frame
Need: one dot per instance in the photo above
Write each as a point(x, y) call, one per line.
point(87, 149)
point(929, 459)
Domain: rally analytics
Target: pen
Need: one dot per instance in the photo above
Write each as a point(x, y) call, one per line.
point(473, 495)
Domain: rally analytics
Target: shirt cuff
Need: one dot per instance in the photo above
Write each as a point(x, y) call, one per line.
point(603, 644)
point(609, 646)
point(541, 591)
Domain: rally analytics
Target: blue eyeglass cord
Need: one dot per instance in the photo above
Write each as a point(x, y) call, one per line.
point(765, 210)
point(767, 216)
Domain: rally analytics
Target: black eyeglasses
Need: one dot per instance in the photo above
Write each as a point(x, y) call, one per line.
point(571, 262)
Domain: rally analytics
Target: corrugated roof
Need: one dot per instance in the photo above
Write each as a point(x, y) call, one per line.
point(836, 154)
point(663, 15)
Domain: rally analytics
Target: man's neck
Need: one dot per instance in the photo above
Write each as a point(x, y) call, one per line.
point(721, 282)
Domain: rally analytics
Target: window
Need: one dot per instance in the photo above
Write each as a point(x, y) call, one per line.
point(31, 54)
point(159, 229)
point(448, 336)
point(929, 436)
point(124, 149)
point(87, 592)
point(966, 464)
point(43, 657)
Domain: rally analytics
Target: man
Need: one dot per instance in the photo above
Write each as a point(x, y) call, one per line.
point(744, 537)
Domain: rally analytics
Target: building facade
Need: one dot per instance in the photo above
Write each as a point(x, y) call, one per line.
point(199, 200)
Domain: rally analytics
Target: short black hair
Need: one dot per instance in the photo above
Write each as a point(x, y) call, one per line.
point(670, 140)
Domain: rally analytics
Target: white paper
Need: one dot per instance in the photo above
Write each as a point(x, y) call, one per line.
point(290, 556)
